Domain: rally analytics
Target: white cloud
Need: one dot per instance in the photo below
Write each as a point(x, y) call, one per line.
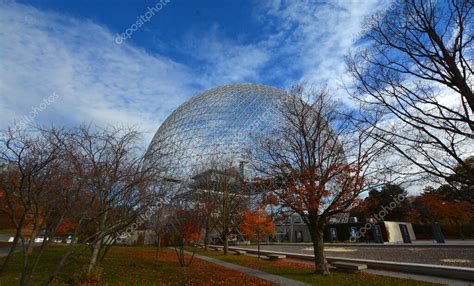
point(315, 36)
point(99, 81)
point(225, 60)
point(96, 80)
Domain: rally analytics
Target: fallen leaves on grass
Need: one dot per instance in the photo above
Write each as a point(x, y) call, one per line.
point(139, 266)
point(287, 264)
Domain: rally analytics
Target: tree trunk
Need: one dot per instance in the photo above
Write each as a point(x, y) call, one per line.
point(180, 254)
point(34, 233)
point(459, 227)
point(206, 236)
point(19, 229)
point(25, 268)
point(320, 263)
point(158, 247)
point(226, 244)
point(60, 265)
point(70, 250)
point(44, 245)
point(104, 250)
point(95, 255)
point(98, 244)
point(258, 249)
point(10, 252)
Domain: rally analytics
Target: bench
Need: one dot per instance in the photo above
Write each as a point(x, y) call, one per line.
point(274, 257)
point(240, 252)
point(215, 248)
point(347, 266)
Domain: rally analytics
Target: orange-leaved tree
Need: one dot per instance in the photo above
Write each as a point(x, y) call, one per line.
point(432, 207)
point(257, 225)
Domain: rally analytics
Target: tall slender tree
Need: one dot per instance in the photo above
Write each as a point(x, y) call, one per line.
point(257, 225)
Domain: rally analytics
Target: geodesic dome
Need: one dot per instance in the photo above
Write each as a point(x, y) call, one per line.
point(220, 123)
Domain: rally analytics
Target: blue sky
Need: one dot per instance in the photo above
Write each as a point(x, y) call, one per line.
point(68, 49)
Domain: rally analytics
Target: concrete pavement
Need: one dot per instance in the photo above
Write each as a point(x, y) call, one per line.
point(457, 256)
point(418, 277)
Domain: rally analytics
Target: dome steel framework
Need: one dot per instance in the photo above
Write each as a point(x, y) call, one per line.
point(219, 123)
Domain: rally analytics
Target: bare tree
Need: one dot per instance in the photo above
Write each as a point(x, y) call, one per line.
point(203, 192)
point(414, 79)
point(184, 229)
point(113, 172)
point(97, 179)
point(29, 165)
point(164, 211)
point(46, 196)
point(316, 163)
point(223, 197)
point(160, 222)
point(61, 196)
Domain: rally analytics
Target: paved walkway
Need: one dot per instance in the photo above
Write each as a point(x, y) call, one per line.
point(461, 256)
point(252, 272)
point(432, 279)
point(417, 277)
point(415, 243)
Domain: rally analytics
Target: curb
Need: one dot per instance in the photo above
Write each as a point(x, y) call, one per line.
point(388, 245)
point(454, 272)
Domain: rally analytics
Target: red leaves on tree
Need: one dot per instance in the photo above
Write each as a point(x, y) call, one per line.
point(439, 209)
point(256, 224)
point(188, 224)
point(66, 227)
point(191, 232)
point(336, 188)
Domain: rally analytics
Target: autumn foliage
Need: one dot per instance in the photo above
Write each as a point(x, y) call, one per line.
point(68, 226)
point(307, 190)
point(316, 163)
point(257, 224)
point(432, 207)
point(185, 227)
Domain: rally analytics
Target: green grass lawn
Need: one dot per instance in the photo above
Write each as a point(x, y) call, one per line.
point(140, 266)
point(8, 231)
point(304, 271)
point(12, 275)
point(131, 266)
